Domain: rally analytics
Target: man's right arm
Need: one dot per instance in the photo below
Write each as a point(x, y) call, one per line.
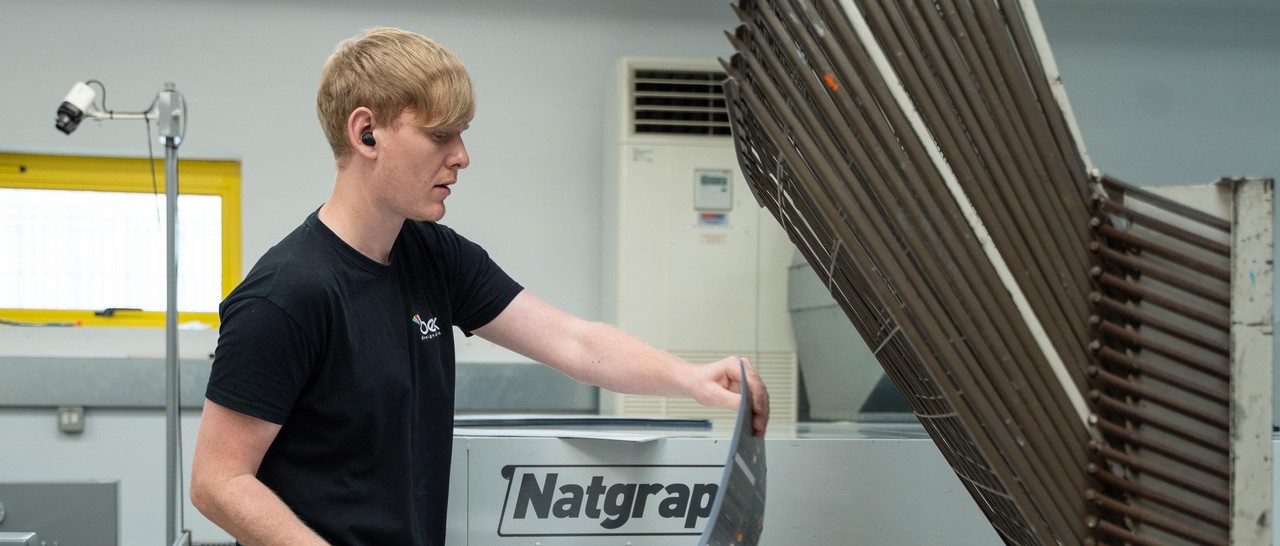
point(224, 485)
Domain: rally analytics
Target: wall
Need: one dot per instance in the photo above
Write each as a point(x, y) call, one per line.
point(1166, 92)
point(1172, 92)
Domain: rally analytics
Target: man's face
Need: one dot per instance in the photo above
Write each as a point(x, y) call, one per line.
point(417, 165)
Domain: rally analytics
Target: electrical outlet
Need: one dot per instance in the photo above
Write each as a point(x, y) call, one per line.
point(71, 419)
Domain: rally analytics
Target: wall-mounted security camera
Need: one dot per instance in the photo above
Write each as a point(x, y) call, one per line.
point(75, 106)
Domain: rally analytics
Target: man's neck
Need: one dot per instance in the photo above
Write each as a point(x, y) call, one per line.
point(359, 222)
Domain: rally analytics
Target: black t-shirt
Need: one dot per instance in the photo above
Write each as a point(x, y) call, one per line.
point(355, 359)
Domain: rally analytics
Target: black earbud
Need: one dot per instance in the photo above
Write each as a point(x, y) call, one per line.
point(367, 138)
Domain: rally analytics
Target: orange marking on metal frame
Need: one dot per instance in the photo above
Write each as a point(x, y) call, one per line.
point(830, 79)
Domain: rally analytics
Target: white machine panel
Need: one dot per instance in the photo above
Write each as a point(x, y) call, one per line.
point(828, 484)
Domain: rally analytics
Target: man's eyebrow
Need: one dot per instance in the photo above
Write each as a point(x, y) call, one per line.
point(457, 128)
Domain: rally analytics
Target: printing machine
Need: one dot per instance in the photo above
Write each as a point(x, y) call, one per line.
point(829, 483)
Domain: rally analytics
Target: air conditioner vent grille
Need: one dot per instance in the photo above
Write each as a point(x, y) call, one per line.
point(679, 102)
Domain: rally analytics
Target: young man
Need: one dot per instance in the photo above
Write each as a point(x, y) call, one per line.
point(329, 412)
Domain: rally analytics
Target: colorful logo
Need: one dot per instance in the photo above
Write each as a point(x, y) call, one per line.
point(427, 327)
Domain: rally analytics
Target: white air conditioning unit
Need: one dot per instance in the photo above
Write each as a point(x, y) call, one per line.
point(692, 264)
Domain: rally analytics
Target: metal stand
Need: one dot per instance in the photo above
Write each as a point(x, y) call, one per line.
point(171, 110)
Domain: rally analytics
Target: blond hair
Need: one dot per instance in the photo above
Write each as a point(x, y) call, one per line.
point(389, 70)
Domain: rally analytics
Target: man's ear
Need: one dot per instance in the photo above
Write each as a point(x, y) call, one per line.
point(359, 123)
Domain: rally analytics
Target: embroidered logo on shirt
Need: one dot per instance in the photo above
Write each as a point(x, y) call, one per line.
point(427, 327)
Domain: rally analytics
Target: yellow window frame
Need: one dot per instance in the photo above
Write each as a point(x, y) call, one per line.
point(88, 173)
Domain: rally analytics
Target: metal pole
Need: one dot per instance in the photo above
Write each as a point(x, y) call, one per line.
point(171, 122)
point(172, 487)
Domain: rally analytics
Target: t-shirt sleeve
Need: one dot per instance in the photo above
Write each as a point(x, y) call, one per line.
point(262, 361)
point(481, 289)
